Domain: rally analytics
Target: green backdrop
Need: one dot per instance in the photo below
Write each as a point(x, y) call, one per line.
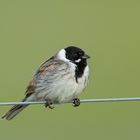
point(108, 30)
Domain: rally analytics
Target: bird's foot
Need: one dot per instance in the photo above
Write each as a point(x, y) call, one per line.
point(49, 104)
point(76, 102)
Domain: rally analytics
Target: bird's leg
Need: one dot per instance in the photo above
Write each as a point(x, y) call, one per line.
point(49, 104)
point(76, 102)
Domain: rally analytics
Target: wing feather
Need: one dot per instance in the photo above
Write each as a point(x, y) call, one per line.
point(45, 74)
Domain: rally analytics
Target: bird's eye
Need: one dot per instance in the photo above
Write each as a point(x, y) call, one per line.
point(75, 55)
point(80, 54)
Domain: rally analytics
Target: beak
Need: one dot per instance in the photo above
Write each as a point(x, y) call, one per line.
point(86, 56)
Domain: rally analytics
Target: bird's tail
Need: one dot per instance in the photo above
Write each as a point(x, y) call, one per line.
point(14, 111)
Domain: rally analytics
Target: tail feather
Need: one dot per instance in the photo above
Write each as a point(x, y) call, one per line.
point(13, 112)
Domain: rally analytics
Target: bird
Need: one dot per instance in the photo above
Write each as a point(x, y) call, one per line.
point(60, 79)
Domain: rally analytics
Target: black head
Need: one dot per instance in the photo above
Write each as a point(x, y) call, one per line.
point(76, 55)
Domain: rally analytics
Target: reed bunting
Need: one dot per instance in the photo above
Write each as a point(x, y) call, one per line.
point(58, 80)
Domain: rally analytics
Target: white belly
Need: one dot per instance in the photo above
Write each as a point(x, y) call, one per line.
point(66, 89)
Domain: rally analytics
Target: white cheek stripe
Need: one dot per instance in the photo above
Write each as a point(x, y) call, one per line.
point(78, 60)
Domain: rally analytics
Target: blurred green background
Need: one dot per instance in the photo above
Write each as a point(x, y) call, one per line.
point(109, 31)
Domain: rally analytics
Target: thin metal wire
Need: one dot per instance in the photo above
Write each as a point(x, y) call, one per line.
point(82, 101)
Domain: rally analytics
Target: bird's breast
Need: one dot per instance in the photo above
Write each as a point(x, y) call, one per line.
point(63, 87)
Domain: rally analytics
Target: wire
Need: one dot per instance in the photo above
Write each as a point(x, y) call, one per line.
point(82, 101)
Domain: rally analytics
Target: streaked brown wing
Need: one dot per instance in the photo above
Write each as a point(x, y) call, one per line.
point(46, 67)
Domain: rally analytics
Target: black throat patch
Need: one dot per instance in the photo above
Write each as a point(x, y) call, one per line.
point(80, 67)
